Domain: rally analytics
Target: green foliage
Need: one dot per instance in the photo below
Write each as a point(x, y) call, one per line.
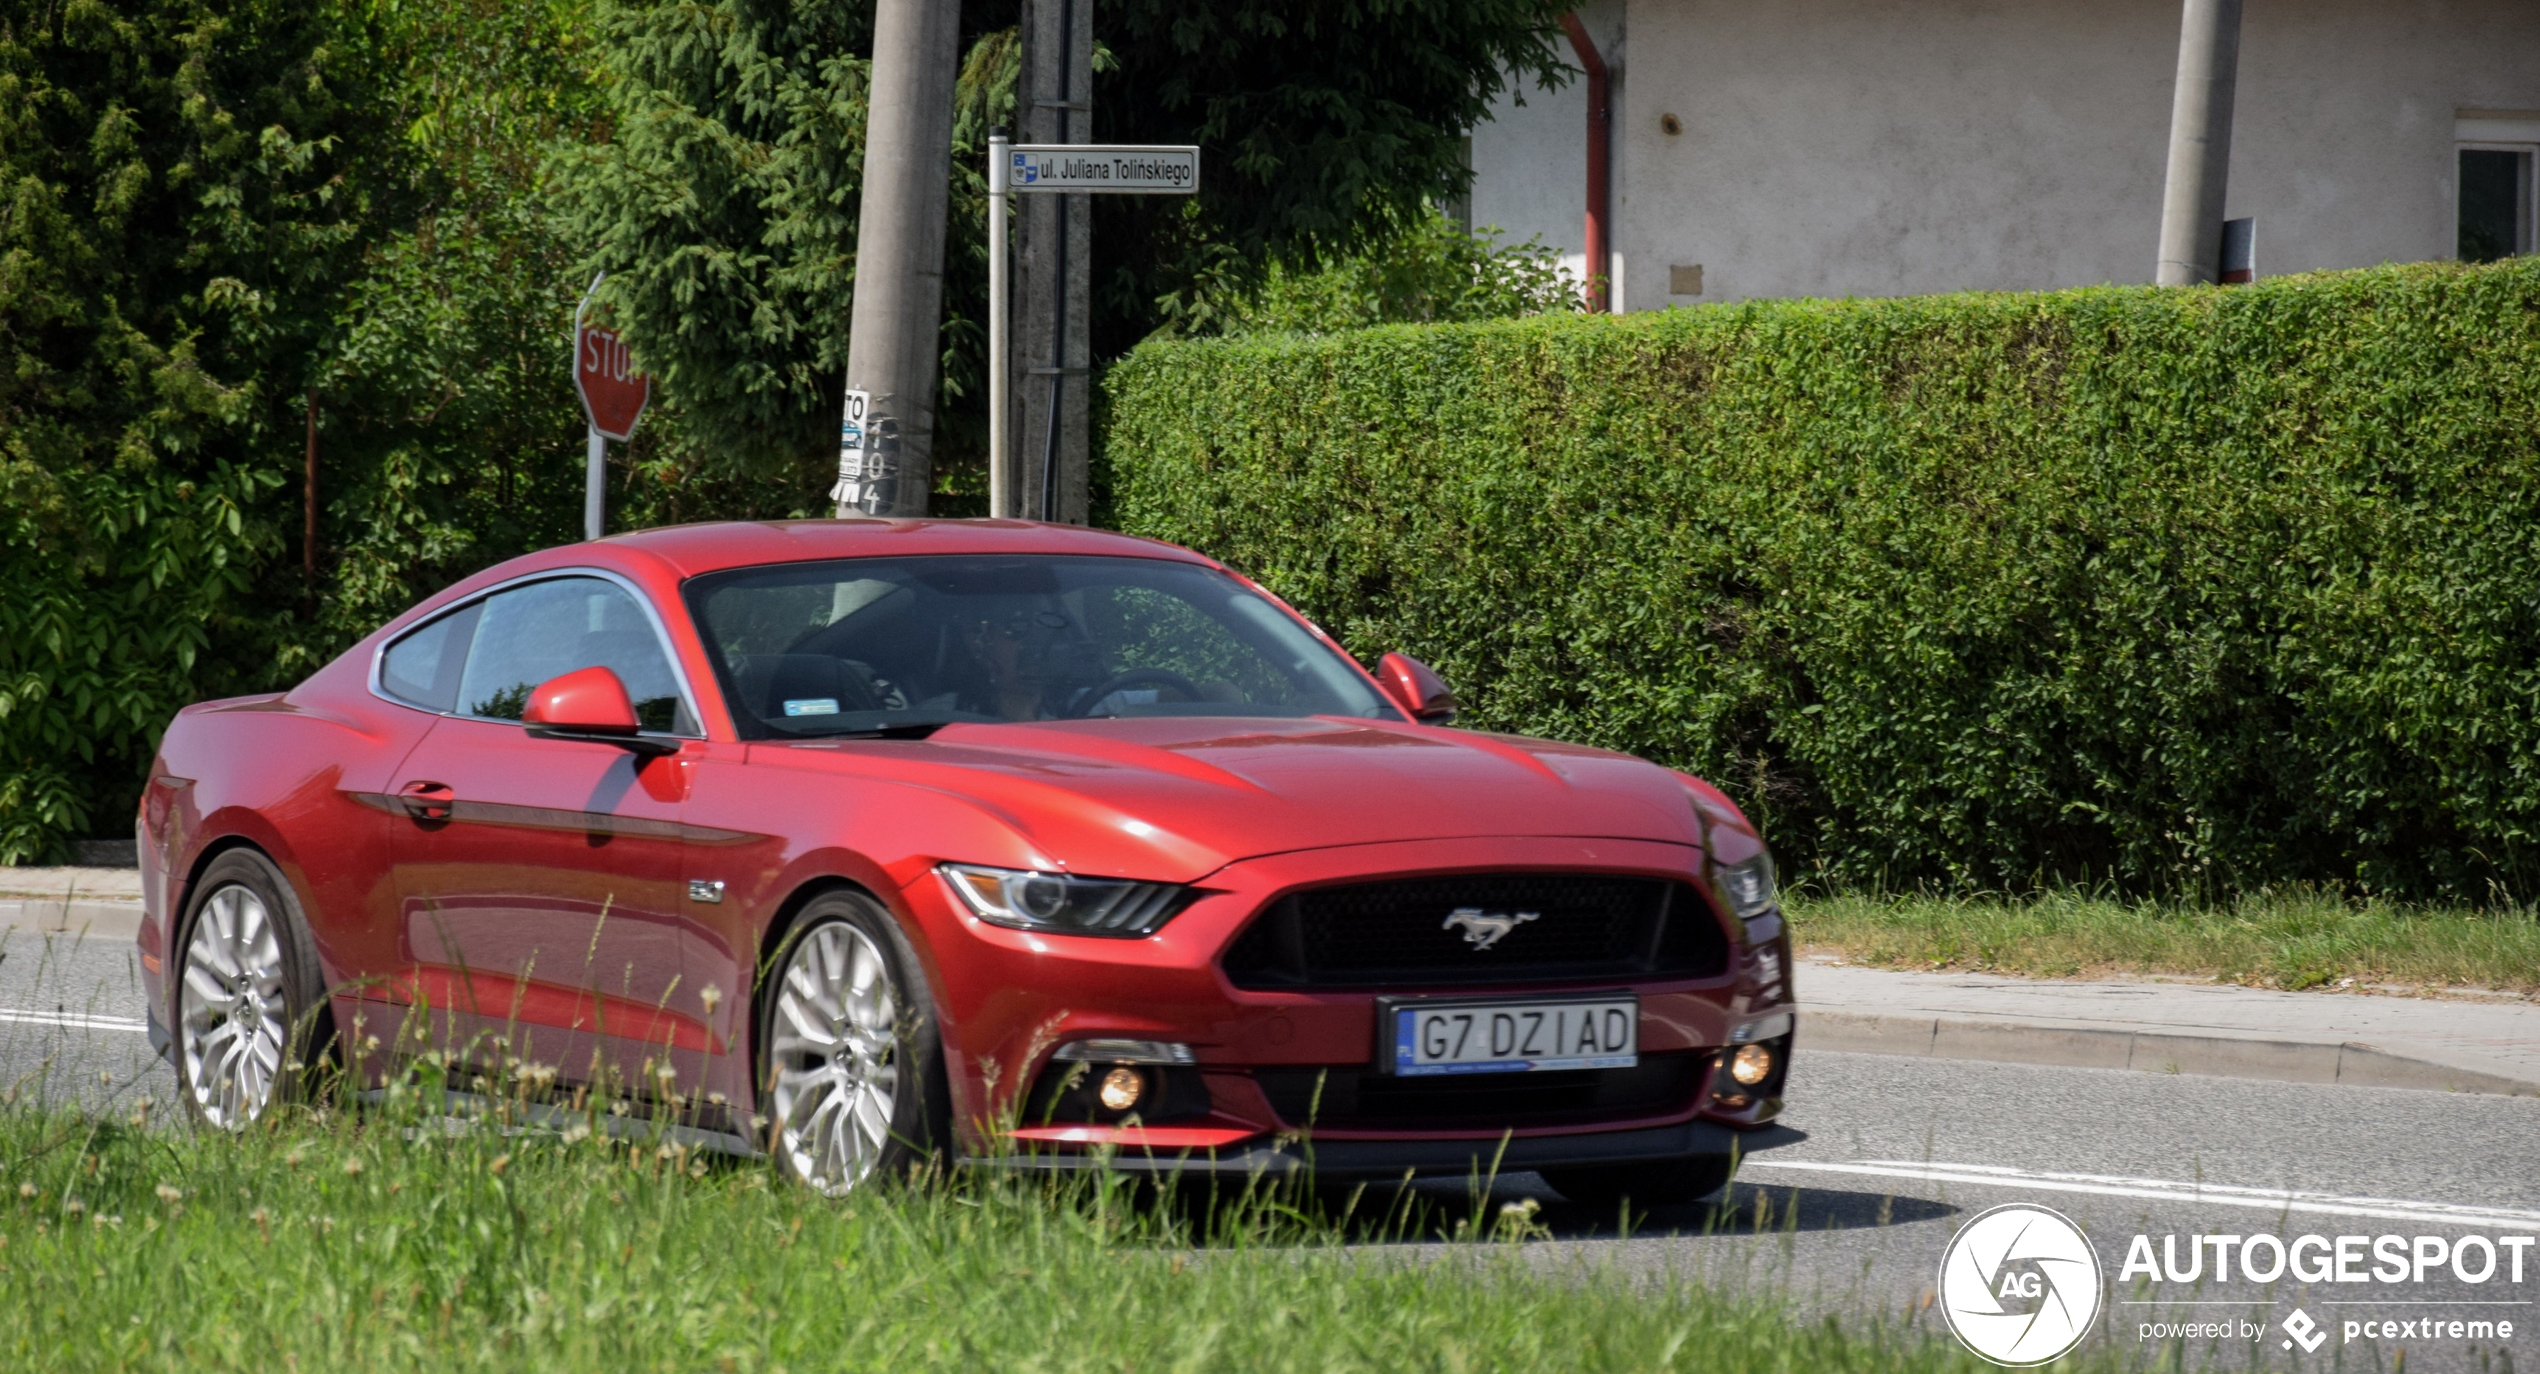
point(186, 188)
point(1320, 123)
point(402, 1239)
point(2185, 590)
point(722, 202)
point(1427, 272)
point(227, 218)
point(449, 434)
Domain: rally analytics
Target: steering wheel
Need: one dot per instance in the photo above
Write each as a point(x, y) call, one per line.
point(1162, 677)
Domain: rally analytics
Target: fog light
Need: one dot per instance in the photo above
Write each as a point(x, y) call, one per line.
point(1752, 1065)
point(1121, 1088)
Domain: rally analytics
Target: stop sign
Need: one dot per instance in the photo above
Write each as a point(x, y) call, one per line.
point(613, 394)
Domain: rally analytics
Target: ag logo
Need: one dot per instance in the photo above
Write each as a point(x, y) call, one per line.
point(2019, 1285)
point(2303, 1327)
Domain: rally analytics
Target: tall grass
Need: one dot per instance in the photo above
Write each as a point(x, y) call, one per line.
point(2288, 938)
point(415, 1234)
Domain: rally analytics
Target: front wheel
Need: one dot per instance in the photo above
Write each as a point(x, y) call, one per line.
point(854, 1072)
point(250, 1013)
point(1658, 1183)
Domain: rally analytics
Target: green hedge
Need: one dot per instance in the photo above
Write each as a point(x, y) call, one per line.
point(2185, 590)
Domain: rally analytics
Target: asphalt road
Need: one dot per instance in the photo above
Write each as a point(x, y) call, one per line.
point(1902, 1152)
point(71, 1024)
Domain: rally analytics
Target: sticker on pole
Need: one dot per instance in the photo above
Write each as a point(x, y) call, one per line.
point(868, 459)
point(613, 392)
point(1115, 169)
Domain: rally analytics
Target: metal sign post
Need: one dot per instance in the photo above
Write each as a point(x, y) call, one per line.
point(1000, 349)
point(1054, 169)
point(613, 399)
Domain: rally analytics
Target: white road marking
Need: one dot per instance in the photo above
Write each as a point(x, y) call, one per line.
point(73, 1020)
point(2165, 1190)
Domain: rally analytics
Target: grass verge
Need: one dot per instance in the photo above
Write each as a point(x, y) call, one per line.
point(387, 1240)
point(2288, 939)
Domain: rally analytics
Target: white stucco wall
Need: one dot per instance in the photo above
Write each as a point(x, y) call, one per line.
point(1529, 160)
point(1887, 147)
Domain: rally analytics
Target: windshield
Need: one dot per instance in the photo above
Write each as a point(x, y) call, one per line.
point(886, 645)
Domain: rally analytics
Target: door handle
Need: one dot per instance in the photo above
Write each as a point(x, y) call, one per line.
point(427, 801)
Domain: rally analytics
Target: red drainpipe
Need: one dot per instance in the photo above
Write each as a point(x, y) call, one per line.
point(1600, 143)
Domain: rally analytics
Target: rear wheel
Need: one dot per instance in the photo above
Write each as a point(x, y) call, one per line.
point(1657, 1183)
point(250, 1001)
point(854, 1069)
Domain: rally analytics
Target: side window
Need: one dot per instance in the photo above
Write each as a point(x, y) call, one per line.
point(546, 629)
point(422, 669)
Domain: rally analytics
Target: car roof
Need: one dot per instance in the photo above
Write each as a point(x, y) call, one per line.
point(704, 548)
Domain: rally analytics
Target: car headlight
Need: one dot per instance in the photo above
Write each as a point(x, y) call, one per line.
point(1747, 889)
point(1063, 903)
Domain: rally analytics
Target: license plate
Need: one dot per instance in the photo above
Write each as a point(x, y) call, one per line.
point(1439, 1037)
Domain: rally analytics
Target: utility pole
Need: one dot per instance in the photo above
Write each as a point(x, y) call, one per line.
point(1054, 280)
point(893, 349)
point(2200, 143)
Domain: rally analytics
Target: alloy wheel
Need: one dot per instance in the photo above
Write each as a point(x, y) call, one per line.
point(835, 1056)
point(232, 1017)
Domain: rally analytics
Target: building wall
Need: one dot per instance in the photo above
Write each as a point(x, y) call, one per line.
point(1529, 167)
point(1891, 147)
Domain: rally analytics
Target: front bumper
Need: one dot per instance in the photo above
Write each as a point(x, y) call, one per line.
point(1007, 999)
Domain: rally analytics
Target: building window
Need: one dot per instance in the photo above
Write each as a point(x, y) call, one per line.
point(2499, 201)
point(2495, 203)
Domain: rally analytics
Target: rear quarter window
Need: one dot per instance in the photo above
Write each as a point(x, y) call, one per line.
point(423, 668)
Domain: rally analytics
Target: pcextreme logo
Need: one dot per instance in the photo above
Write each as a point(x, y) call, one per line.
point(2019, 1285)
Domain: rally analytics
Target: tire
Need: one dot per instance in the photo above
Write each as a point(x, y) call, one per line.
point(248, 1003)
point(1659, 1183)
point(852, 1077)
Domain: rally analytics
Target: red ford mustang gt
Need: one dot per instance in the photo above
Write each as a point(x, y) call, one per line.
point(862, 841)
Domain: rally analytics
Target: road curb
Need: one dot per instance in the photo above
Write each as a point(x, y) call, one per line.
point(116, 922)
point(2215, 1056)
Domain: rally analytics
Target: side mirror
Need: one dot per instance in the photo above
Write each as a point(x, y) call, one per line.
point(590, 705)
point(1421, 693)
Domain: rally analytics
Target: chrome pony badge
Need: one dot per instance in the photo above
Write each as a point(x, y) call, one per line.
point(1485, 929)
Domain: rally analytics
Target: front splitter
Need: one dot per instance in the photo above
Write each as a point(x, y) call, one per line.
point(1395, 1158)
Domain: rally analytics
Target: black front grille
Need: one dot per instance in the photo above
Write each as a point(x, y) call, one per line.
point(1407, 933)
point(1352, 1099)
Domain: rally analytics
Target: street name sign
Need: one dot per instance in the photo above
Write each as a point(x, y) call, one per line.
point(1072, 169)
point(1118, 169)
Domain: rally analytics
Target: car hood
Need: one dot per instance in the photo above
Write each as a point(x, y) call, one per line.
point(1175, 798)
